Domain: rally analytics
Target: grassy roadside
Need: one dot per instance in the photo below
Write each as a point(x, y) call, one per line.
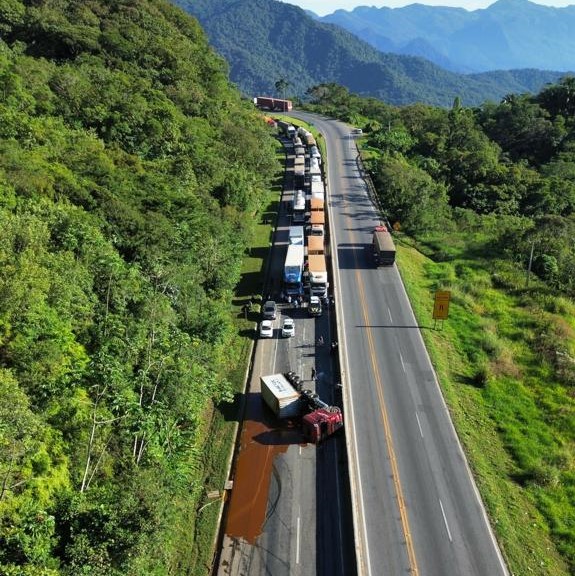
point(489, 379)
point(222, 429)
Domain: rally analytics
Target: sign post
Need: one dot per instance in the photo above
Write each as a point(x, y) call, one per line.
point(441, 305)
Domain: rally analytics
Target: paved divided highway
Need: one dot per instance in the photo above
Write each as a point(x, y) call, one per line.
point(416, 508)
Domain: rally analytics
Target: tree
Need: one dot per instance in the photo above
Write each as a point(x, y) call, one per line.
point(396, 140)
point(411, 197)
point(281, 87)
point(559, 99)
point(522, 128)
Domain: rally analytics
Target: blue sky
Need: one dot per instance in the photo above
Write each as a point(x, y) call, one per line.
point(323, 7)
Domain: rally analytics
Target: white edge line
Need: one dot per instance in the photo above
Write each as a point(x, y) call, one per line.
point(297, 541)
point(337, 476)
point(276, 341)
point(445, 520)
point(419, 424)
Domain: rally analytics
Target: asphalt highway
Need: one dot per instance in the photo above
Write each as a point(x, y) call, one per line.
point(289, 512)
point(416, 508)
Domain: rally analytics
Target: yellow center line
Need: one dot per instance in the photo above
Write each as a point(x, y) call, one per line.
point(385, 418)
point(388, 434)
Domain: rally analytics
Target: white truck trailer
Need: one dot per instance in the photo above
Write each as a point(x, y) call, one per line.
point(280, 396)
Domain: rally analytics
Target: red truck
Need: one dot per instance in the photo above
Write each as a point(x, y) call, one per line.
point(321, 423)
point(284, 396)
point(274, 104)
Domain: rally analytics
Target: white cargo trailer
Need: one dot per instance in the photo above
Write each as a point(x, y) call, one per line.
point(280, 396)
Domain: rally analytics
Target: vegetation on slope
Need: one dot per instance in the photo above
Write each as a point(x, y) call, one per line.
point(129, 174)
point(264, 41)
point(477, 192)
point(507, 34)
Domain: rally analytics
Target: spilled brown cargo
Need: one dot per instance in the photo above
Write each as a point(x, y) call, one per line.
point(260, 443)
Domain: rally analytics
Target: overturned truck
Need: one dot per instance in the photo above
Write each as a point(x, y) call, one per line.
point(287, 399)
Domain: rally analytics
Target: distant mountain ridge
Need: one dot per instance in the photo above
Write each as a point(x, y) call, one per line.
point(265, 40)
point(509, 34)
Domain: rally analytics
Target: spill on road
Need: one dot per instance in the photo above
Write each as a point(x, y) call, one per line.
point(261, 441)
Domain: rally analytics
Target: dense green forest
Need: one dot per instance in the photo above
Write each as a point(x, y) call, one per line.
point(130, 172)
point(486, 196)
point(514, 160)
point(131, 177)
point(264, 41)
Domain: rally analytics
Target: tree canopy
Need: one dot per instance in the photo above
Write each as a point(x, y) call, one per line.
point(130, 170)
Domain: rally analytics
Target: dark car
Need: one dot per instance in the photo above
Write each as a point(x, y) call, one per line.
point(269, 311)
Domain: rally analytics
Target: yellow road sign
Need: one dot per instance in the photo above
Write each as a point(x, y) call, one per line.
point(441, 305)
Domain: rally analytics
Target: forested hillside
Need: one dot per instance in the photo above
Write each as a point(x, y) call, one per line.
point(506, 35)
point(265, 41)
point(130, 172)
point(483, 201)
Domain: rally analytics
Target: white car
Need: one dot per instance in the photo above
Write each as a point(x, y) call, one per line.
point(266, 329)
point(288, 328)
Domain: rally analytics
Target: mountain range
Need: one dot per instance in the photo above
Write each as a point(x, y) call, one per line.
point(264, 41)
point(508, 34)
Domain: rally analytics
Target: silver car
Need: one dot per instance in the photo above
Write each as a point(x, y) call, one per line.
point(269, 311)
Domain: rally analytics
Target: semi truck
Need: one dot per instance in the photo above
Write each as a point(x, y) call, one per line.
point(299, 150)
point(299, 171)
point(306, 136)
point(318, 419)
point(275, 104)
point(296, 235)
point(317, 275)
point(315, 245)
point(317, 188)
point(315, 230)
point(316, 217)
point(286, 128)
point(298, 208)
point(383, 247)
point(315, 153)
point(293, 270)
point(314, 167)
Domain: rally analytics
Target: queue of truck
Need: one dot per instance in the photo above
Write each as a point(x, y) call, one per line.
point(304, 274)
point(307, 209)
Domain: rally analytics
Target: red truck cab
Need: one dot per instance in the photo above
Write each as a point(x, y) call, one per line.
point(321, 423)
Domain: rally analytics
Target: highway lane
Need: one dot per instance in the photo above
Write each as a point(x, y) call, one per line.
point(307, 525)
point(417, 509)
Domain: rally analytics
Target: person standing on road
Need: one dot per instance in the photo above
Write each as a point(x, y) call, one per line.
point(313, 372)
